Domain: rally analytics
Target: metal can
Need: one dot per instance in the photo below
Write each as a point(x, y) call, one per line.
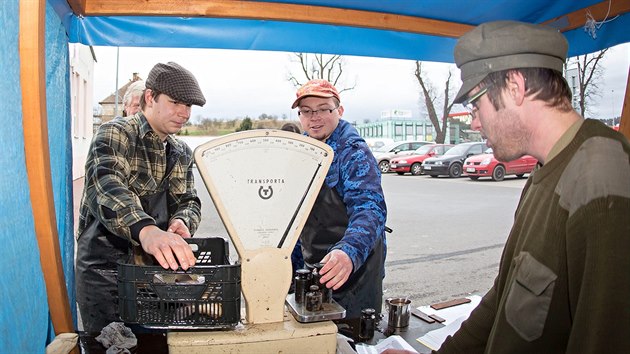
point(368, 324)
point(302, 282)
point(313, 299)
point(326, 292)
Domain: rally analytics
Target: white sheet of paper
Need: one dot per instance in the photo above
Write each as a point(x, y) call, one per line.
point(436, 337)
point(391, 342)
point(454, 317)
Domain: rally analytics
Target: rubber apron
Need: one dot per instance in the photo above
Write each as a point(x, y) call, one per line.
point(98, 252)
point(326, 226)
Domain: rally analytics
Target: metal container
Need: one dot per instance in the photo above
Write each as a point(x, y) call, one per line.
point(399, 309)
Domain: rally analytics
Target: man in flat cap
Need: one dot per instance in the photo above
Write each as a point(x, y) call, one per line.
point(564, 281)
point(139, 192)
point(346, 227)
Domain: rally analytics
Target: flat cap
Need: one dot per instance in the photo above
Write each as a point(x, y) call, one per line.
point(502, 45)
point(176, 82)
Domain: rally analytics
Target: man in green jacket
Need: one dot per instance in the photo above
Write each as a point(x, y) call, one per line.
point(564, 277)
point(564, 281)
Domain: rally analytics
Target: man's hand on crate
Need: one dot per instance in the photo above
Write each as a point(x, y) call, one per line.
point(168, 247)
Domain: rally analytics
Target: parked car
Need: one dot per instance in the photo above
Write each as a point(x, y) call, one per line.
point(485, 165)
point(451, 162)
point(413, 162)
point(375, 143)
point(399, 148)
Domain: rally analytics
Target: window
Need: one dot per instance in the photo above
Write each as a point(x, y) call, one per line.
point(409, 129)
point(476, 149)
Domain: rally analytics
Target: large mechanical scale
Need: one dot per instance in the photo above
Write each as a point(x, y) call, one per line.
point(263, 184)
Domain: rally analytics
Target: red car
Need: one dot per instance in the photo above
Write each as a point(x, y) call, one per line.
point(412, 163)
point(485, 165)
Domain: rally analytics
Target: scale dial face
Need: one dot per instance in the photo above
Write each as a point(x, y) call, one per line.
point(263, 183)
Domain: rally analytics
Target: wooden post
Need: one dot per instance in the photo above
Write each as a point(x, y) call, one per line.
point(33, 82)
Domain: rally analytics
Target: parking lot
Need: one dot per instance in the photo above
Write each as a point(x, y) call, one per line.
point(448, 233)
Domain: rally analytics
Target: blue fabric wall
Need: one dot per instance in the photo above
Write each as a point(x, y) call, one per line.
point(24, 316)
point(60, 140)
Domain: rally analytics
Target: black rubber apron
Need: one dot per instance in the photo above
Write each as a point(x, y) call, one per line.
point(98, 252)
point(325, 227)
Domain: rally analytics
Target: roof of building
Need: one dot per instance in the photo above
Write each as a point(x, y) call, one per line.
point(111, 99)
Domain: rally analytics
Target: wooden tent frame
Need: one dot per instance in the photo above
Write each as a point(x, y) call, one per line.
point(33, 76)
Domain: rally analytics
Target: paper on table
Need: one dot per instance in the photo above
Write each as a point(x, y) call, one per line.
point(436, 337)
point(454, 317)
point(450, 314)
point(391, 342)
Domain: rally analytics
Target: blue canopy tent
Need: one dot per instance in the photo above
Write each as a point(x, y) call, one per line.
point(36, 188)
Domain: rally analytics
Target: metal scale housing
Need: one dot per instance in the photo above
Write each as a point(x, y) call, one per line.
point(263, 184)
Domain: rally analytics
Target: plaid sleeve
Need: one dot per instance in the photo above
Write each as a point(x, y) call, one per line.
point(108, 196)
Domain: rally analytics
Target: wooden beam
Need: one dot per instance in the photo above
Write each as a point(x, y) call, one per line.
point(624, 124)
point(599, 11)
point(261, 10)
point(77, 6)
point(33, 83)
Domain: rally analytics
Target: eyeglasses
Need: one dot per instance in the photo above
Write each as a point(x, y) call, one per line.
point(470, 104)
point(322, 112)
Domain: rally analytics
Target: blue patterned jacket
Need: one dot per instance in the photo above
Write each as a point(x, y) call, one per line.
point(355, 175)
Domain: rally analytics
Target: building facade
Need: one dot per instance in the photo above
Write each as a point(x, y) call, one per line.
point(112, 106)
point(81, 60)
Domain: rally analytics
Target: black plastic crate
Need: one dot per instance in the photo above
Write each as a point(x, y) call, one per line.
point(207, 295)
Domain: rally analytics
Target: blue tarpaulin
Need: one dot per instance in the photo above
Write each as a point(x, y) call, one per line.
point(25, 325)
point(223, 33)
point(24, 319)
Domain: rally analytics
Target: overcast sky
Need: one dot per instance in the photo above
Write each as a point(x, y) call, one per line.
point(239, 83)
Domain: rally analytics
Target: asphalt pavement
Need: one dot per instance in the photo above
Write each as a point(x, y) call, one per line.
point(448, 233)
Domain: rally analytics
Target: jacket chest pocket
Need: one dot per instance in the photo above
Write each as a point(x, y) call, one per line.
point(529, 296)
point(177, 180)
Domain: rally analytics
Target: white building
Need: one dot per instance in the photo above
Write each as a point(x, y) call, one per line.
point(82, 60)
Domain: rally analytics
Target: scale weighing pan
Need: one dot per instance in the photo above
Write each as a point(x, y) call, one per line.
point(264, 184)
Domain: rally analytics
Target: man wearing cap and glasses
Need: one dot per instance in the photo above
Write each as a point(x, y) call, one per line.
point(346, 228)
point(139, 192)
point(564, 281)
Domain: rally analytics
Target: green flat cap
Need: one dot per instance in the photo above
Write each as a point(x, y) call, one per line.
point(176, 82)
point(502, 45)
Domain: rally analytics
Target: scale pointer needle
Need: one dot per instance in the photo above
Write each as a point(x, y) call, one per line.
point(286, 232)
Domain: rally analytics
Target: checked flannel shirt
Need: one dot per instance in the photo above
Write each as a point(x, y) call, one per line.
point(126, 161)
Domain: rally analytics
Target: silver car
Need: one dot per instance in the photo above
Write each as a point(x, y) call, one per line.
point(399, 148)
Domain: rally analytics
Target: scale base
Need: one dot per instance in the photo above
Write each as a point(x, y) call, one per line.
point(330, 311)
point(288, 336)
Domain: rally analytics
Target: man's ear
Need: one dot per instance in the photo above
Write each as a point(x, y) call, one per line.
point(148, 97)
point(340, 110)
point(516, 87)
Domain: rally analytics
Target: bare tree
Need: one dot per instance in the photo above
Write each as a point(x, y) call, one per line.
point(430, 100)
point(589, 77)
point(319, 66)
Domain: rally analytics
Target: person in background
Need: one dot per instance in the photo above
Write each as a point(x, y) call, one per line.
point(291, 127)
point(139, 192)
point(131, 99)
point(563, 282)
point(346, 227)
